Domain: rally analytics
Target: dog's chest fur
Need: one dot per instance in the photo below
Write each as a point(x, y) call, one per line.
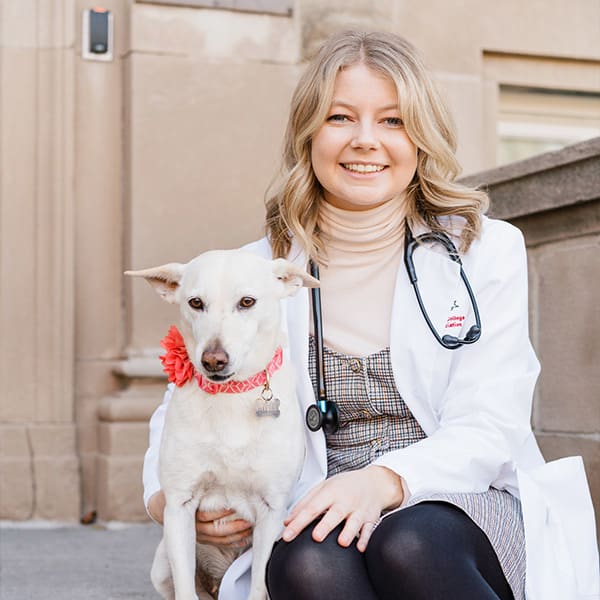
point(216, 449)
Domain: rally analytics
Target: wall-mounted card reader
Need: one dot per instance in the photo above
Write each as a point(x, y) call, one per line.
point(97, 34)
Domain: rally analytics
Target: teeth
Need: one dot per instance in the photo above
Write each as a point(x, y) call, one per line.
point(363, 168)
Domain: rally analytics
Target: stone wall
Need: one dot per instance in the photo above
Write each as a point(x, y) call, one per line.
point(167, 150)
point(554, 199)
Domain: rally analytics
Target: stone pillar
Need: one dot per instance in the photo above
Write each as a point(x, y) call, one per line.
point(100, 140)
point(39, 470)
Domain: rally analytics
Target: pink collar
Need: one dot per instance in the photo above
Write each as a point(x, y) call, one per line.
point(179, 368)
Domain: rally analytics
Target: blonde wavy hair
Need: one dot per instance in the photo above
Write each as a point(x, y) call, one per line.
point(292, 202)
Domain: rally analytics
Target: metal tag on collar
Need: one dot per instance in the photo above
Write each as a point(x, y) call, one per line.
point(267, 405)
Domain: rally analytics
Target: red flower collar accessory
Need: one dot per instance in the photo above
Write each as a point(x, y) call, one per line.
point(180, 370)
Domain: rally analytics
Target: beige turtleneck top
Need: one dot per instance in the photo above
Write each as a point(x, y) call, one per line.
point(364, 250)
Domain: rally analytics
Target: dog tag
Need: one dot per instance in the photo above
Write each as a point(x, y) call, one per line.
point(267, 408)
point(267, 405)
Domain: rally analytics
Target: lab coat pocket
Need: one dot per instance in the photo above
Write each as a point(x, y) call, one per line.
point(560, 535)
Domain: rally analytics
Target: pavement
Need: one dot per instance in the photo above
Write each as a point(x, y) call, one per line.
point(91, 562)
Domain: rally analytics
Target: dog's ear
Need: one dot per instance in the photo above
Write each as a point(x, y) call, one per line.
point(292, 277)
point(164, 279)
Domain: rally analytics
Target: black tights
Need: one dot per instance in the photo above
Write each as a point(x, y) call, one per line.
point(430, 551)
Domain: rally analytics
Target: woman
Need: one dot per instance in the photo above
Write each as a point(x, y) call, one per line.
point(435, 439)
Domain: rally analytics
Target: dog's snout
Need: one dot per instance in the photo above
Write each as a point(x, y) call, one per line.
point(214, 360)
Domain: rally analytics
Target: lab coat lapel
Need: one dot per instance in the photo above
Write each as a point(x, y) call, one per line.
point(296, 318)
point(417, 378)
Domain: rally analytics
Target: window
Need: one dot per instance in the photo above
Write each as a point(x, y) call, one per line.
point(536, 120)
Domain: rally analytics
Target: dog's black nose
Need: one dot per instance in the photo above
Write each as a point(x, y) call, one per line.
point(214, 360)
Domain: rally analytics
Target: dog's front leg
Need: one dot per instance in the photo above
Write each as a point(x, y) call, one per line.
point(180, 540)
point(268, 527)
point(160, 574)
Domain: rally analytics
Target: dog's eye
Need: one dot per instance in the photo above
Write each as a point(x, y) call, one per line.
point(247, 302)
point(196, 303)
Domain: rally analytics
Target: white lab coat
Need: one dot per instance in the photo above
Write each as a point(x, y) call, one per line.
point(473, 403)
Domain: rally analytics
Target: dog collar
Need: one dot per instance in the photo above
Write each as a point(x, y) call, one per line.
point(180, 370)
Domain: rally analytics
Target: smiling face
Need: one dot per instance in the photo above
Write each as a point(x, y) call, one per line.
point(362, 155)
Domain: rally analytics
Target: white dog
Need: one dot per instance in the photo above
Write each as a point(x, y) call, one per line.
point(233, 435)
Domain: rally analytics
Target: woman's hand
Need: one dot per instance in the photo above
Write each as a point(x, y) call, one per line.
point(358, 497)
point(214, 528)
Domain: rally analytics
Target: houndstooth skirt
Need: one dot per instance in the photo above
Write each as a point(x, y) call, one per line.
point(374, 420)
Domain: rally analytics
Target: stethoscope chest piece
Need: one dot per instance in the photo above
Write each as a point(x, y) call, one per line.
point(324, 415)
point(314, 417)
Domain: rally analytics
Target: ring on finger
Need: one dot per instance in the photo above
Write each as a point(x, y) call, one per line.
point(371, 526)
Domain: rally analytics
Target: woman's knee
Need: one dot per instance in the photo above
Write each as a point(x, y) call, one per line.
point(307, 570)
point(434, 550)
point(414, 540)
point(297, 566)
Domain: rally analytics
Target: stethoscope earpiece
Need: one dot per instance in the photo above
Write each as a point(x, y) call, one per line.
point(473, 334)
point(451, 341)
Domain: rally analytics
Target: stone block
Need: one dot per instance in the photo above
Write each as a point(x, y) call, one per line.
point(560, 224)
point(94, 378)
point(569, 327)
point(57, 494)
point(320, 19)
point(31, 24)
point(19, 24)
point(57, 491)
point(193, 107)
point(99, 217)
point(18, 229)
point(123, 439)
point(135, 404)
point(87, 425)
point(559, 446)
point(184, 31)
point(52, 440)
point(16, 488)
point(465, 97)
point(13, 441)
point(120, 490)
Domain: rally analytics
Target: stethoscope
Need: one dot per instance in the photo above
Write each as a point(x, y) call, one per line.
point(324, 413)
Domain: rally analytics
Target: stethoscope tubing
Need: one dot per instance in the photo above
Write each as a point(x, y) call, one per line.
point(318, 333)
point(411, 243)
point(324, 413)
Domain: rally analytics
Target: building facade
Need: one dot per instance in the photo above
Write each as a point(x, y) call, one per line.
point(166, 150)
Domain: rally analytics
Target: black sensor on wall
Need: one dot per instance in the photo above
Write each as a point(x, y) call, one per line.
point(97, 34)
point(99, 30)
